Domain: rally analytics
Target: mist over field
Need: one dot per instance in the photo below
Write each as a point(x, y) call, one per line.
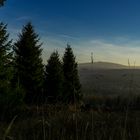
point(109, 79)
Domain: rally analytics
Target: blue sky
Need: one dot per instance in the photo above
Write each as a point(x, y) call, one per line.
point(108, 28)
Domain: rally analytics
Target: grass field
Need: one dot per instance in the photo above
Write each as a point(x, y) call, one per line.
point(110, 110)
point(62, 123)
point(110, 80)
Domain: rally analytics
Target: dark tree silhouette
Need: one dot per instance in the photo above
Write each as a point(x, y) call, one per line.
point(54, 78)
point(10, 98)
point(72, 86)
point(2, 2)
point(5, 57)
point(28, 63)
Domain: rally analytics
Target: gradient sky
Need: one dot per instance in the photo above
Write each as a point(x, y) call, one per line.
point(108, 28)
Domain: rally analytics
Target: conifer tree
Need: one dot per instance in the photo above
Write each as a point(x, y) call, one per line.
point(28, 63)
point(5, 58)
point(72, 86)
point(10, 98)
point(54, 78)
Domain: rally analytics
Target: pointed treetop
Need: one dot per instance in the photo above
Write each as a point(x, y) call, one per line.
point(2, 2)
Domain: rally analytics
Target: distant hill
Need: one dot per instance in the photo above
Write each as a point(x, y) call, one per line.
point(104, 78)
point(101, 65)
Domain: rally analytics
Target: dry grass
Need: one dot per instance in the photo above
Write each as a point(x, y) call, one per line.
point(57, 122)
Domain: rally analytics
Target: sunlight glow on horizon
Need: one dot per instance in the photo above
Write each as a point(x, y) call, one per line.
point(109, 29)
point(102, 51)
point(117, 50)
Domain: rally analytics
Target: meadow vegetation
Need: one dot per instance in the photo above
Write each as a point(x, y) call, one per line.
point(64, 122)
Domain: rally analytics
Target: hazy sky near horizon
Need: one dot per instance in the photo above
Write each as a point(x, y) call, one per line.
point(108, 28)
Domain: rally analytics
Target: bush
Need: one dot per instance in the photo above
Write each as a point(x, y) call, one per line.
point(11, 102)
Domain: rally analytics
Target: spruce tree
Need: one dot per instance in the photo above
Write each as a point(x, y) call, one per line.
point(10, 98)
point(28, 63)
point(54, 78)
point(5, 58)
point(72, 86)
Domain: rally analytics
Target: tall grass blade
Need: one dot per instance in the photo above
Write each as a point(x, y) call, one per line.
point(9, 128)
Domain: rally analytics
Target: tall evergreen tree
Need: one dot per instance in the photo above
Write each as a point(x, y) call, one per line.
point(54, 77)
point(5, 57)
point(72, 86)
point(10, 98)
point(28, 63)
